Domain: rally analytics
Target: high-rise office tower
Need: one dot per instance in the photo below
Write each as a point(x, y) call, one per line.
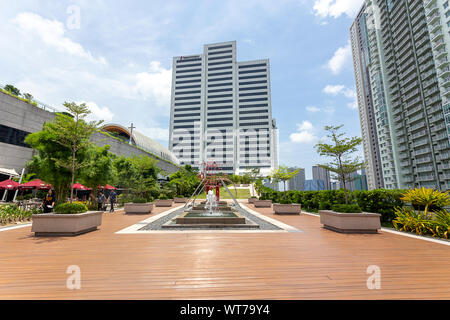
point(298, 181)
point(221, 111)
point(407, 50)
point(320, 173)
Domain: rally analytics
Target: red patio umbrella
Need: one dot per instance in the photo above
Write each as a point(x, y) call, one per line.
point(8, 185)
point(107, 187)
point(35, 184)
point(79, 186)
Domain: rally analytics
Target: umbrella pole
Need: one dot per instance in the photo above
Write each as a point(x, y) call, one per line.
point(20, 181)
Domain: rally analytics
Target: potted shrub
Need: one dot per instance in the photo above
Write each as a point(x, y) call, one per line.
point(180, 199)
point(163, 201)
point(349, 218)
point(137, 206)
point(262, 203)
point(68, 219)
point(286, 207)
point(252, 199)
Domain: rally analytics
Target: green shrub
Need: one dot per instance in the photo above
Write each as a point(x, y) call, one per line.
point(139, 200)
point(163, 197)
point(379, 201)
point(70, 208)
point(346, 208)
point(11, 214)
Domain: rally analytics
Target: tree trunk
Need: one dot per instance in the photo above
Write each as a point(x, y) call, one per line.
point(345, 189)
point(73, 176)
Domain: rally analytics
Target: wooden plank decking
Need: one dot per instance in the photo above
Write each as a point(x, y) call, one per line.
point(314, 264)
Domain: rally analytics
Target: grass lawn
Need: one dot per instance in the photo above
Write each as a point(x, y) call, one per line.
point(241, 193)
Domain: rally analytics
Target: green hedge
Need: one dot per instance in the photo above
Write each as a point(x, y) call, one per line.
point(378, 201)
point(346, 208)
point(70, 208)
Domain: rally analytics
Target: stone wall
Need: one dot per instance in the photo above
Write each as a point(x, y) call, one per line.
point(23, 116)
point(26, 117)
point(122, 148)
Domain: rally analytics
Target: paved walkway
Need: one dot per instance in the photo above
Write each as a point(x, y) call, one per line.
point(313, 264)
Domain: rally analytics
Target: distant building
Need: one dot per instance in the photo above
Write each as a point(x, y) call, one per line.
point(360, 181)
point(221, 111)
point(335, 185)
point(319, 173)
point(314, 185)
point(298, 181)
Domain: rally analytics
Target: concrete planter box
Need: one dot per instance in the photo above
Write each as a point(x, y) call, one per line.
point(163, 203)
point(180, 200)
point(53, 224)
point(364, 222)
point(252, 200)
point(143, 208)
point(263, 203)
point(287, 208)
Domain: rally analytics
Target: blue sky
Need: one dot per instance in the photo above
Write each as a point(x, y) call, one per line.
point(117, 57)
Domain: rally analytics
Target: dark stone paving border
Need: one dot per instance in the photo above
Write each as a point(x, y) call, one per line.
point(157, 224)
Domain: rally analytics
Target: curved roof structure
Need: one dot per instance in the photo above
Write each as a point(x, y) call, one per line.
point(141, 141)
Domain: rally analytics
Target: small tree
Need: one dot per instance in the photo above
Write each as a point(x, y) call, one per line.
point(73, 133)
point(11, 89)
point(283, 174)
point(28, 96)
point(253, 175)
point(340, 151)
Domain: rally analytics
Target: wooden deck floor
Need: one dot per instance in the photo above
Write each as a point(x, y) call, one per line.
point(315, 264)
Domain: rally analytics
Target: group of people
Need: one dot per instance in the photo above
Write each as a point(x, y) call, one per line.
point(101, 200)
point(49, 201)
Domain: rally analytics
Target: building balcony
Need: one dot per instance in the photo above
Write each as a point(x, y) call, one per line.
point(438, 44)
point(425, 169)
point(419, 134)
point(429, 11)
point(435, 27)
point(440, 53)
point(444, 156)
point(433, 17)
point(425, 177)
point(429, 3)
point(417, 126)
point(444, 166)
point(424, 160)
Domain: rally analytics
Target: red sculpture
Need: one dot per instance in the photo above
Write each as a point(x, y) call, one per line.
point(211, 173)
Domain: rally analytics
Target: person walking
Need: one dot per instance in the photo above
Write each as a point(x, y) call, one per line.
point(100, 200)
point(49, 201)
point(112, 200)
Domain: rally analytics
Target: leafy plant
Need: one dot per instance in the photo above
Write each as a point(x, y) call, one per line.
point(340, 151)
point(346, 208)
point(426, 199)
point(70, 208)
point(283, 174)
point(139, 200)
point(12, 213)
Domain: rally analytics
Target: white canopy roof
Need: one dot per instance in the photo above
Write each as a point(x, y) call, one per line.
point(9, 172)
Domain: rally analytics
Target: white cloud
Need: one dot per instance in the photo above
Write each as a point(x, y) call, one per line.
point(353, 105)
point(155, 84)
point(336, 8)
point(339, 89)
point(312, 109)
point(341, 59)
point(52, 34)
point(156, 133)
point(99, 113)
point(343, 90)
point(304, 134)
